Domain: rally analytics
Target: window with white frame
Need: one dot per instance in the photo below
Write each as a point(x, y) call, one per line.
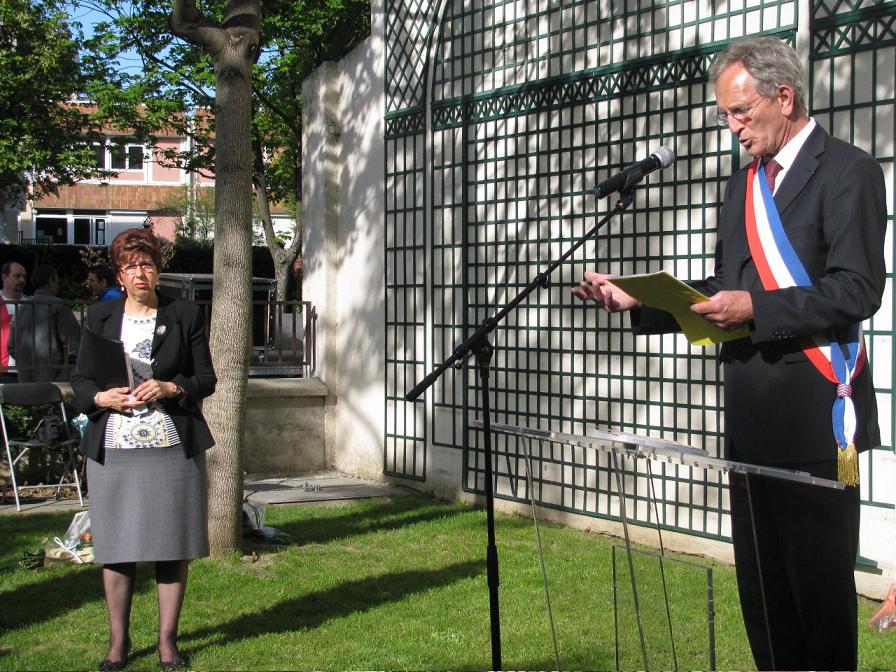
point(50, 227)
point(120, 154)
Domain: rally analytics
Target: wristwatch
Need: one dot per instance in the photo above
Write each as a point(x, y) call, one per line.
point(180, 392)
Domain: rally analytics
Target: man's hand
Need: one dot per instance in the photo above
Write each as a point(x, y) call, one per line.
point(727, 309)
point(608, 296)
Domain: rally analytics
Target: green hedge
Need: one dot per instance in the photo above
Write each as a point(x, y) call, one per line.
point(189, 257)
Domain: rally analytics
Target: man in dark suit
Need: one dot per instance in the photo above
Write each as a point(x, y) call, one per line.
point(45, 335)
point(794, 544)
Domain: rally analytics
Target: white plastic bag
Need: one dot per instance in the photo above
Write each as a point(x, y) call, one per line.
point(78, 530)
point(253, 515)
point(75, 547)
point(253, 523)
point(885, 617)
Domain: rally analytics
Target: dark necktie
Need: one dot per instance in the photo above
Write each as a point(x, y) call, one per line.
point(772, 168)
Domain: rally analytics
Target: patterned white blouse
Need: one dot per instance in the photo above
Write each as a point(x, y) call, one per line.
point(149, 426)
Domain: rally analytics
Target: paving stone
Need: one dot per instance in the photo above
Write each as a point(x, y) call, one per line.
point(312, 489)
point(329, 486)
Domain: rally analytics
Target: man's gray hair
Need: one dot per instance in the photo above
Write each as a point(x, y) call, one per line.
point(770, 61)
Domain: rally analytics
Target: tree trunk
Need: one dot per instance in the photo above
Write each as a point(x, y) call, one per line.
point(282, 257)
point(233, 45)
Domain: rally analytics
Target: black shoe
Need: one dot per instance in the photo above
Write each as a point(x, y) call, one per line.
point(107, 665)
point(179, 663)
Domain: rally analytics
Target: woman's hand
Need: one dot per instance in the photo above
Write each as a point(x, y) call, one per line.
point(153, 390)
point(116, 398)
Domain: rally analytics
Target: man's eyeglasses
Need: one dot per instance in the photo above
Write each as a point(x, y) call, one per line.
point(145, 266)
point(742, 114)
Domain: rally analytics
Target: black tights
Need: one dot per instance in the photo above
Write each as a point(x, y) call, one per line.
point(118, 585)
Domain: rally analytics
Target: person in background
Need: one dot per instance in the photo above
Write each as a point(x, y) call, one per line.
point(145, 446)
point(101, 283)
point(14, 277)
point(45, 334)
point(800, 263)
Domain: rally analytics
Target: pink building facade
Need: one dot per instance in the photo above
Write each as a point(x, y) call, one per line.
point(141, 192)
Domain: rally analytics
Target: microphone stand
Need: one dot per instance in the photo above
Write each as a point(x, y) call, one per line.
point(478, 344)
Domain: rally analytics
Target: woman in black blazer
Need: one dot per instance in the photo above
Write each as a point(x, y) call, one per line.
point(146, 445)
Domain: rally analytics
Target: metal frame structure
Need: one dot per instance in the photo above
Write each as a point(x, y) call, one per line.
point(500, 116)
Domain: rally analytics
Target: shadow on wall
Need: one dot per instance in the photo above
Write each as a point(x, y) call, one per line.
point(550, 172)
point(352, 185)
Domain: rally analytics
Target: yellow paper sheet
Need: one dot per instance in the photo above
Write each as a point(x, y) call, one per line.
point(665, 291)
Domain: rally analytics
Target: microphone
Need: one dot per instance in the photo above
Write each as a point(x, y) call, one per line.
point(661, 158)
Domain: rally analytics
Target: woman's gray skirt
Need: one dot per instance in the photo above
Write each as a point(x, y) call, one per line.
point(148, 504)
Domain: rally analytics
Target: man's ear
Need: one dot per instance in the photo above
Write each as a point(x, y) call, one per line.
point(787, 100)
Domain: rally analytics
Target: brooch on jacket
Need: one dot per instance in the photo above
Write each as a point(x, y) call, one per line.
point(161, 329)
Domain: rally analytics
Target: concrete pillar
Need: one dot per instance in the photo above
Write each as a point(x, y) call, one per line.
point(344, 265)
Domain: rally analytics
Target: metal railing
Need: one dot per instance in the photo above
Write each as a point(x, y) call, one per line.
point(40, 240)
point(282, 338)
point(294, 332)
point(40, 332)
point(282, 334)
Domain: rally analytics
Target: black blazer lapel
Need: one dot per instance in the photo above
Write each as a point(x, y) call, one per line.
point(165, 323)
point(734, 237)
point(802, 170)
point(110, 325)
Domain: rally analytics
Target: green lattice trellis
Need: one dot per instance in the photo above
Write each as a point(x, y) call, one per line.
point(530, 104)
point(853, 67)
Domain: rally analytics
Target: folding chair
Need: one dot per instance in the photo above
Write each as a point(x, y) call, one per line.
point(33, 395)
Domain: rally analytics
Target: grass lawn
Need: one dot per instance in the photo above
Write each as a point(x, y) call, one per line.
point(382, 584)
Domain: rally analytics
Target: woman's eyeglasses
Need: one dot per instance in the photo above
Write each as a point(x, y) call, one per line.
point(145, 266)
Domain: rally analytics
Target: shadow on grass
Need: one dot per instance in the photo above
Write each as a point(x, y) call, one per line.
point(23, 532)
point(573, 659)
point(375, 517)
point(52, 596)
point(44, 596)
point(315, 609)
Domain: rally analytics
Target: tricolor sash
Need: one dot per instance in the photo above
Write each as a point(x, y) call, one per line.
point(779, 267)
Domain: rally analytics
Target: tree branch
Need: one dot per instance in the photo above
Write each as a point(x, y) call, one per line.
point(264, 206)
point(189, 23)
point(286, 118)
point(199, 93)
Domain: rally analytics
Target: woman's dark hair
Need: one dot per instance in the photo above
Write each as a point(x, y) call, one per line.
point(132, 241)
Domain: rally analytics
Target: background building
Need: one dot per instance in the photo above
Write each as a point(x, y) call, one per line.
point(144, 190)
